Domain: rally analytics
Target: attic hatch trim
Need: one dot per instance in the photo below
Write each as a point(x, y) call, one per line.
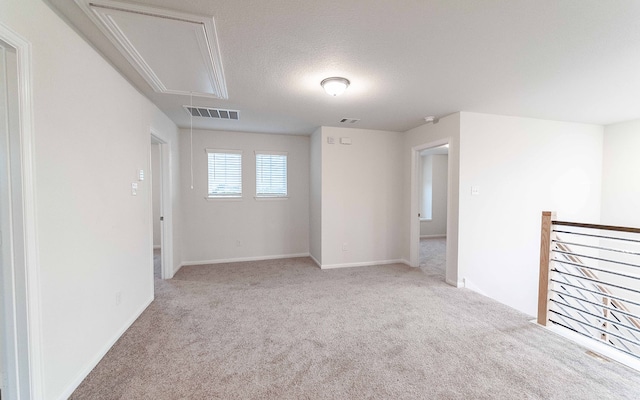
point(206, 40)
point(220, 113)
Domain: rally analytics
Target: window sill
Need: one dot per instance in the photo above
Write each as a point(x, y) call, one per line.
point(228, 198)
point(269, 198)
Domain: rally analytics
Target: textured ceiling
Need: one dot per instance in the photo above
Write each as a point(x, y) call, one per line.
point(570, 60)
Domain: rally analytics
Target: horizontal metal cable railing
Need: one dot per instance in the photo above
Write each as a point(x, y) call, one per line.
point(590, 281)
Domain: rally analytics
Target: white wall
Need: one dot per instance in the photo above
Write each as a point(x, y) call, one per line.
point(155, 193)
point(621, 174)
point(361, 197)
point(92, 134)
point(238, 229)
point(315, 196)
point(447, 129)
point(521, 167)
point(437, 224)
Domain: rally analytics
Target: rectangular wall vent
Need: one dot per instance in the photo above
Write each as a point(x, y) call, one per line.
point(349, 120)
point(217, 113)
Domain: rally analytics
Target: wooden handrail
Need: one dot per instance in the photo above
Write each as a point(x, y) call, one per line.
point(547, 236)
point(597, 226)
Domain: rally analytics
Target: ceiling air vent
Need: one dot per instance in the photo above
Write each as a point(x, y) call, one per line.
point(349, 120)
point(216, 113)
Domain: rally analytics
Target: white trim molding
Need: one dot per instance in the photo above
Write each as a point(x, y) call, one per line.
point(444, 235)
point(315, 260)
point(457, 284)
point(594, 345)
point(31, 284)
point(471, 286)
point(363, 264)
point(242, 259)
point(92, 364)
point(102, 13)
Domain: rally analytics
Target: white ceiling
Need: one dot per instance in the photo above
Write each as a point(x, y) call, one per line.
point(571, 60)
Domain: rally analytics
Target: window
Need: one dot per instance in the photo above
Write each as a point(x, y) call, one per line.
point(225, 173)
point(271, 174)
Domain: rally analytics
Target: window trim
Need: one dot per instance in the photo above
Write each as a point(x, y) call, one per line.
point(225, 197)
point(260, 197)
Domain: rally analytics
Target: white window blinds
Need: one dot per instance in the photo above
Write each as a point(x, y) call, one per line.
point(225, 173)
point(271, 174)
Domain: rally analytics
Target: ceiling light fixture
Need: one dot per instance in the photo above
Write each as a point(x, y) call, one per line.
point(335, 86)
point(431, 119)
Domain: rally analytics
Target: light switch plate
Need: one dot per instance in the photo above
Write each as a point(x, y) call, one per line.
point(331, 140)
point(141, 175)
point(345, 140)
point(134, 189)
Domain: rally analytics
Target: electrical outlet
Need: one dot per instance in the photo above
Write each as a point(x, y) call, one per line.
point(238, 243)
point(118, 298)
point(345, 246)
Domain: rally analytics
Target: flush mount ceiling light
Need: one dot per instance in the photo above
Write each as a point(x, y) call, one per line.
point(335, 86)
point(431, 119)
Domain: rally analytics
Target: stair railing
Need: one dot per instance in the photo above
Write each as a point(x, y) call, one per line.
point(590, 281)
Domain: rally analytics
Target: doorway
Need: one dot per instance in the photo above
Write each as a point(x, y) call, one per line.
point(433, 169)
point(19, 295)
point(156, 185)
point(430, 208)
point(161, 210)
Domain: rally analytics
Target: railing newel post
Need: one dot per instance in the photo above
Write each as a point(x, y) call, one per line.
point(546, 233)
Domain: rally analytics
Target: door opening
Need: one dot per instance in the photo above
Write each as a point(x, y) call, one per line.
point(430, 200)
point(156, 184)
point(433, 171)
point(161, 208)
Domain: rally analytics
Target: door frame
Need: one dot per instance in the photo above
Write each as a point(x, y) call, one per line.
point(414, 225)
point(166, 209)
point(24, 325)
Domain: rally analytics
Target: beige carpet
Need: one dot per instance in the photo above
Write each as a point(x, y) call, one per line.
point(433, 256)
point(284, 329)
point(157, 263)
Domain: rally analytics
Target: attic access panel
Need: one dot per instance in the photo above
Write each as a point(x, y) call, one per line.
point(175, 53)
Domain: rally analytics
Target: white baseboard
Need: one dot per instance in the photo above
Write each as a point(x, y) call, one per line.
point(457, 284)
point(362, 264)
point(471, 286)
point(433, 236)
point(157, 247)
point(241, 259)
point(595, 346)
point(175, 270)
point(315, 261)
point(92, 364)
point(405, 262)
